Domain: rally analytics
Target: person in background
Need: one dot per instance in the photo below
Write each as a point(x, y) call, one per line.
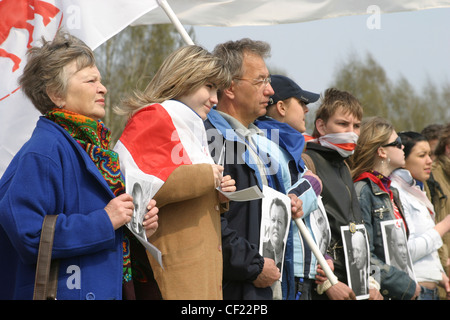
point(437, 188)
point(432, 133)
point(379, 152)
point(286, 119)
point(247, 274)
point(66, 169)
point(336, 131)
point(165, 139)
point(425, 236)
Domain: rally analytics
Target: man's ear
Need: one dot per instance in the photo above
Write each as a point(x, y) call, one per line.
point(320, 126)
point(229, 92)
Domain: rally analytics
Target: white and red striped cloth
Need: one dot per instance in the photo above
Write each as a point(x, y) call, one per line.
point(342, 142)
point(160, 138)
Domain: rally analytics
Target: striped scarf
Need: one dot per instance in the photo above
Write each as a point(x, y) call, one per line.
point(342, 142)
point(93, 136)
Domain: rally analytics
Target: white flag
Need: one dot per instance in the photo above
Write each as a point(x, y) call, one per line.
point(22, 24)
point(230, 13)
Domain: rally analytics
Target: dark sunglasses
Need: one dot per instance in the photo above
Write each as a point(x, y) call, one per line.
point(396, 143)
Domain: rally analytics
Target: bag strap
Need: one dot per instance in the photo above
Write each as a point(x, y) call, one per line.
point(46, 282)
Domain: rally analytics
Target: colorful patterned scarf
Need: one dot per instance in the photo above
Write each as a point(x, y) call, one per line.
point(93, 136)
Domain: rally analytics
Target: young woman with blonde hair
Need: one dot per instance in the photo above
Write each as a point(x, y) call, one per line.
point(165, 141)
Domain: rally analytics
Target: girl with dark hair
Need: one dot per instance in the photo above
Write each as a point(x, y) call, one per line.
point(425, 236)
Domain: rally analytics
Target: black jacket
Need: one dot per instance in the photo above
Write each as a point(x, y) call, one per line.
point(339, 198)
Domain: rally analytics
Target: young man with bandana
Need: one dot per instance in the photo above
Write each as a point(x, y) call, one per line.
point(337, 127)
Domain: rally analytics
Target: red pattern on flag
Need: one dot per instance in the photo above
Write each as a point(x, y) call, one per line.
point(151, 137)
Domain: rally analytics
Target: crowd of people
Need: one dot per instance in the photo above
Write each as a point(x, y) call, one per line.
point(208, 126)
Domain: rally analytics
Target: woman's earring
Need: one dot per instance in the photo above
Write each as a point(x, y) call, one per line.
point(61, 106)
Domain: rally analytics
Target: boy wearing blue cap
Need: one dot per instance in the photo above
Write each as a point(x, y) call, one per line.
point(286, 114)
point(289, 104)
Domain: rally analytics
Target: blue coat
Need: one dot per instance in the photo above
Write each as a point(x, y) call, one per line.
point(52, 174)
point(291, 144)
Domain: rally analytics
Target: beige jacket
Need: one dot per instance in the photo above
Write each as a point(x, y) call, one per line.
point(189, 235)
point(441, 202)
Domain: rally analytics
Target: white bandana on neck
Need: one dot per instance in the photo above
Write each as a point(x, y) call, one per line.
point(343, 142)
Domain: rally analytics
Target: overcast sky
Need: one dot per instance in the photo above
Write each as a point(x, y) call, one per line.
point(413, 44)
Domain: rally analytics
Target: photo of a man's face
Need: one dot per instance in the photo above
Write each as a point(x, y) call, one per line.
point(275, 222)
point(396, 246)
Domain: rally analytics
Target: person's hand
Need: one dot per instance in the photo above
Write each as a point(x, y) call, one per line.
point(340, 291)
point(151, 218)
point(417, 292)
point(320, 273)
point(217, 171)
point(120, 210)
point(375, 294)
point(268, 275)
point(226, 185)
point(296, 206)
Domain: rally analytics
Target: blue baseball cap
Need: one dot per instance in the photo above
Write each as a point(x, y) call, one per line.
point(286, 88)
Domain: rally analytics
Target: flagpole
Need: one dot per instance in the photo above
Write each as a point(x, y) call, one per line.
point(172, 16)
point(315, 249)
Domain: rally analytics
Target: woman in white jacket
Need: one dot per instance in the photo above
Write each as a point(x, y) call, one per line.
point(425, 237)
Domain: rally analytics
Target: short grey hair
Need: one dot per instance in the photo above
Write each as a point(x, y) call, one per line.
point(232, 53)
point(45, 72)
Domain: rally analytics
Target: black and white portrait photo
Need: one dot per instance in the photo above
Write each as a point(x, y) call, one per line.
point(275, 224)
point(320, 228)
point(140, 189)
point(357, 259)
point(396, 246)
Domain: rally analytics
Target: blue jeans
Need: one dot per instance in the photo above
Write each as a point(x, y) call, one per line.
point(428, 294)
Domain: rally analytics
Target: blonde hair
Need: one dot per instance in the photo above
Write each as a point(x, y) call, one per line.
point(375, 132)
point(45, 71)
point(183, 72)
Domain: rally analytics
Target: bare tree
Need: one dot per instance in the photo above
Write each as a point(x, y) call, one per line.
point(398, 101)
point(128, 61)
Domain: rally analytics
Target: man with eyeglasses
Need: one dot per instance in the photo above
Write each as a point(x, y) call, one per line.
point(247, 274)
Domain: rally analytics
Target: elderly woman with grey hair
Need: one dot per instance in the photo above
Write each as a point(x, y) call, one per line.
point(66, 169)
